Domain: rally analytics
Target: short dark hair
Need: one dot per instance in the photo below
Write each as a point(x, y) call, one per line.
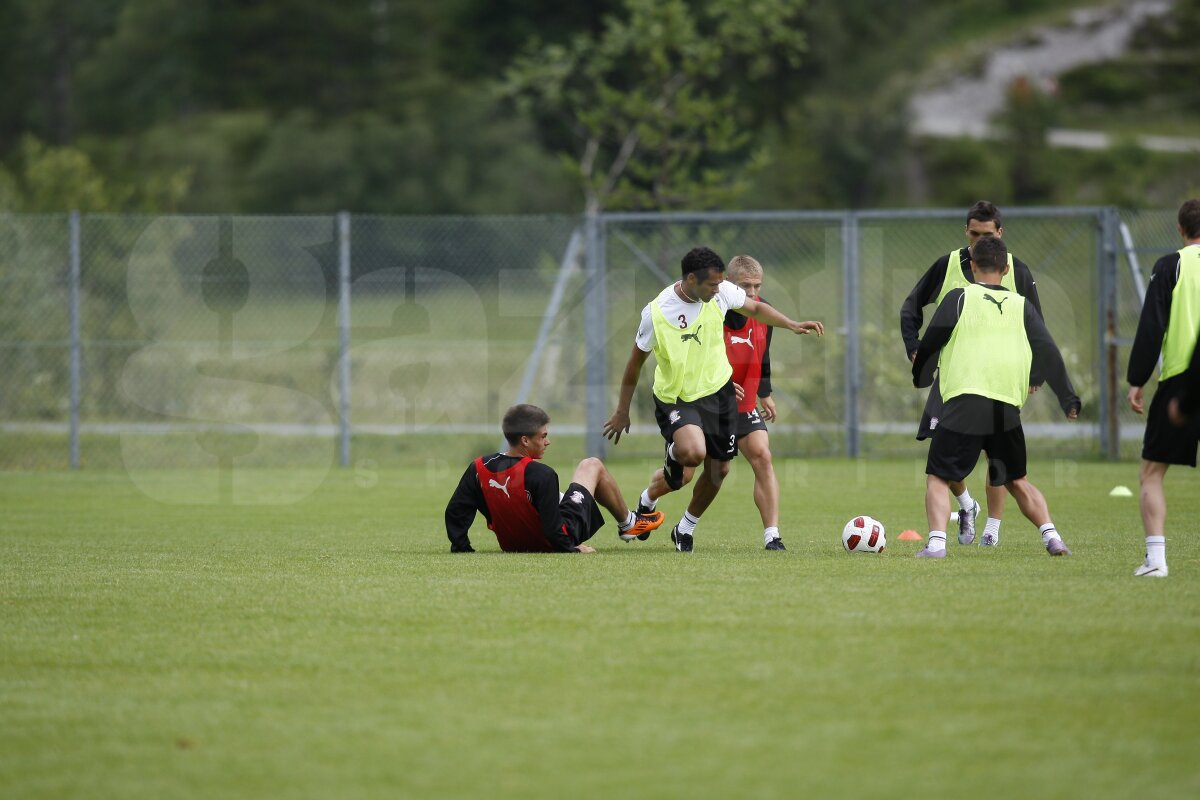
point(985, 212)
point(700, 260)
point(990, 254)
point(523, 420)
point(1189, 218)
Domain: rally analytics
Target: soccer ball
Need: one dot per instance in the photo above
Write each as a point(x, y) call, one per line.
point(864, 535)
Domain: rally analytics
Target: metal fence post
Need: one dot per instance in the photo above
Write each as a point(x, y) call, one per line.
point(343, 231)
point(851, 303)
point(1110, 429)
point(569, 261)
point(76, 345)
point(595, 323)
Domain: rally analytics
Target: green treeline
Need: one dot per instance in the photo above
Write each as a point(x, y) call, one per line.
point(524, 106)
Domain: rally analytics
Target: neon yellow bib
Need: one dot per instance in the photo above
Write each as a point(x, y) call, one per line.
point(691, 361)
point(956, 280)
point(988, 353)
point(1184, 324)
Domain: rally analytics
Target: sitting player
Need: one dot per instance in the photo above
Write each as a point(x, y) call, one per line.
point(518, 496)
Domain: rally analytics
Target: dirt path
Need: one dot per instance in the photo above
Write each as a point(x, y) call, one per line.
point(964, 107)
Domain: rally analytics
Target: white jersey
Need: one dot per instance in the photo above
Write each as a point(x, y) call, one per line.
point(728, 297)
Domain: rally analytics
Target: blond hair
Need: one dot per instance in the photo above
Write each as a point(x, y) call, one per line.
point(742, 265)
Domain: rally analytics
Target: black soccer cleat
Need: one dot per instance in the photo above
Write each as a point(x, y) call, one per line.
point(672, 470)
point(683, 541)
point(775, 544)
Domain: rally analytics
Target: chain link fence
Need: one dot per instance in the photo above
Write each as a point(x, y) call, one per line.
point(151, 342)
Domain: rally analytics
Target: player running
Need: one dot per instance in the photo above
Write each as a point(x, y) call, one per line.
point(694, 399)
point(987, 338)
point(951, 272)
point(748, 345)
point(518, 496)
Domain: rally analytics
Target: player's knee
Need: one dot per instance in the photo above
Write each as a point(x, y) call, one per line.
point(592, 464)
point(589, 468)
point(688, 455)
point(759, 459)
point(1019, 487)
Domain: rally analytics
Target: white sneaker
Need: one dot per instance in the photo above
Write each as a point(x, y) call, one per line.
point(990, 540)
point(1147, 571)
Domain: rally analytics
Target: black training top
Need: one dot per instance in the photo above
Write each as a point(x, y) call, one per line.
point(1152, 325)
point(541, 482)
point(927, 289)
point(975, 414)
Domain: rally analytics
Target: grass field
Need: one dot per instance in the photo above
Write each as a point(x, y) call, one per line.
point(334, 648)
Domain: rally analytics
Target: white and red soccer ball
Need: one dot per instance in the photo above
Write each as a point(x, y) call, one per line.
point(864, 535)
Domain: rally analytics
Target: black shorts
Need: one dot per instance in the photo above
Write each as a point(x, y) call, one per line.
point(580, 513)
point(716, 414)
point(953, 455)
point(749, 422)
point(933, 410)
point(1164, 442)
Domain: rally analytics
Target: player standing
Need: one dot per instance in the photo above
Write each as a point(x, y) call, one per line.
point(1170, 325)
point(748, 345)
point(951, 272)
point(983, 339)
point(694, 398)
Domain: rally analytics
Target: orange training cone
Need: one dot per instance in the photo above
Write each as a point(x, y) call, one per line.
point(910, 536)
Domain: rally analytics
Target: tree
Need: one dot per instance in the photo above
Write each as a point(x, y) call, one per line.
point(651, 103)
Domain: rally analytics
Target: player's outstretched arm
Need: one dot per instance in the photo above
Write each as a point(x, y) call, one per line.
point(618, 423)
point(769, 315)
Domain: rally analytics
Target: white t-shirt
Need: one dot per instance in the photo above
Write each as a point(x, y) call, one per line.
point(729, 296)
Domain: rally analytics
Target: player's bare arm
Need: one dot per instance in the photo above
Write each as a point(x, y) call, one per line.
point(1137, 399)
point(769, 315)
point(618, 423)
point(768, 408)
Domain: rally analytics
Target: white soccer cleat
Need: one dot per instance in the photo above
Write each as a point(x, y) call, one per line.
point(990, 540)
point(1148, 571)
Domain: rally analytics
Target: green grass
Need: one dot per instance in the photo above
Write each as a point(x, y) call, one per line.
point(332, 647)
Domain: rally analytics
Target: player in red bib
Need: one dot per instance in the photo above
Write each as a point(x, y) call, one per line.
point(748, 343)
point(518, 496)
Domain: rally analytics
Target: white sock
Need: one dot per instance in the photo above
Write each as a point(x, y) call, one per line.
point(628, 523)
point(769, 534)
point(688, 523)
point(1156, 551)
point(645, 499)
point(937, 541)
point(992, 528)
point(1048, 532)
point(964, 501)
